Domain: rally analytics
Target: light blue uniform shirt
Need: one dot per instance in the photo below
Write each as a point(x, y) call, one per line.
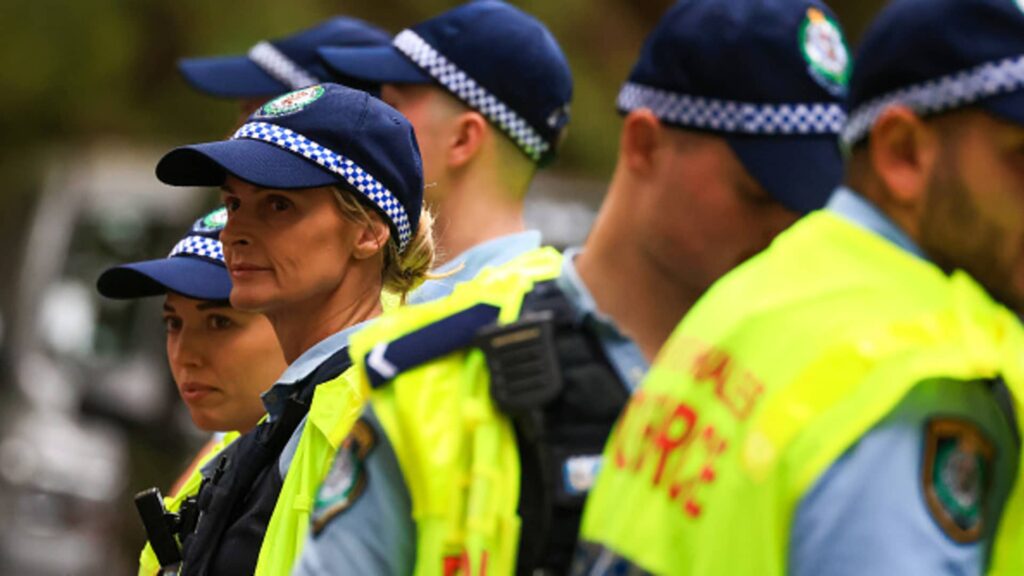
point(868, 514)
point(274, 399)
point(467, 265)
point(376, 535)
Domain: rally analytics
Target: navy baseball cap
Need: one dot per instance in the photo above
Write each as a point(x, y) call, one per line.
point(277, 66)
point(767, 75)
point(323, 135)
point(493, 57)
point(952, 54)
point(195, 268)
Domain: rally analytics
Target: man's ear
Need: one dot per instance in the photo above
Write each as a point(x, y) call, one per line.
point(641, 133)
point(468, 134)
point(903, 150)
point(372, 239)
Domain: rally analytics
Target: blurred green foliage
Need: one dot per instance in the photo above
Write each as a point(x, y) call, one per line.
point(76, 72)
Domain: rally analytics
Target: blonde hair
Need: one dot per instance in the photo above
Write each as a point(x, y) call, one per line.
point(403, 271)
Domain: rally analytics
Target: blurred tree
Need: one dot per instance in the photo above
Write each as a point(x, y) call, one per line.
point(81, 71)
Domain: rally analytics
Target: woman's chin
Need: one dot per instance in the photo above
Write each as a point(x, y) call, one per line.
point(250, 300)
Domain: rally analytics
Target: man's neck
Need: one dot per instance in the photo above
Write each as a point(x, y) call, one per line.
point(472, 212)
point(301, 326)
point(644, 300)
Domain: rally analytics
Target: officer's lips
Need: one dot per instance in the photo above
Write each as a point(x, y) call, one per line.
point(195, 391)
point(241, 270)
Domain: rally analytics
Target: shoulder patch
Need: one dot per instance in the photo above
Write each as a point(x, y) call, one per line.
point(957, 476)
point(347, 479)
point(389, 359)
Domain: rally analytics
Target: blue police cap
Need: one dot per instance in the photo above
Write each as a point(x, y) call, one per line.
point(195, 267)
point(951, 54)
point(767, 75)
point(493, 57)
point(277, 66)
point(323, 135)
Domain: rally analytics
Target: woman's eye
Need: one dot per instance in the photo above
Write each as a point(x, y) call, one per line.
point(231, 204)
point(172, 323)
point(279, 204)
point(218, 322)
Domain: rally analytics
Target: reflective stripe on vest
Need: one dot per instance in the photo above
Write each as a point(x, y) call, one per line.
point(780, 368)
point(457, 453)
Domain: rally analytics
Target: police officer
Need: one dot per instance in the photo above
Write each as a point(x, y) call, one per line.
point(221, 358)
point(274, 67)
point(848, 401)
point(487, 89)
point(494, 403)
point(323, 190)
point(206, 338)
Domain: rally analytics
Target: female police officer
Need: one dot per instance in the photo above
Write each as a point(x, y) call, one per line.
point(323, 188)
point(221, 358)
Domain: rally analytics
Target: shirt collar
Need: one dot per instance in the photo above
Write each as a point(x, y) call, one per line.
point(863, 212)
point(304, 365)
point(576, 290)
point(623, 354)
point(494, 252)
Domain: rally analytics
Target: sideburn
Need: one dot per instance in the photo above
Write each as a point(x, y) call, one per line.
point(954, 233)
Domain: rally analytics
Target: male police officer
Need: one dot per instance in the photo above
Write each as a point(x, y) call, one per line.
point(487, 89)
point(703, 181)
point(273, 67)
point(846, 402)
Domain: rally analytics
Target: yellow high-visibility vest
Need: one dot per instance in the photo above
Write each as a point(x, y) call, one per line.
point(779, 369)
point(457, 452)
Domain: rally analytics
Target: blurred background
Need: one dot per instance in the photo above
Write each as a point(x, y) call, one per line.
point(89, 100)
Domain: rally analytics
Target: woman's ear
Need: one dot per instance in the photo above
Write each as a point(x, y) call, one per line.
point(372, 238)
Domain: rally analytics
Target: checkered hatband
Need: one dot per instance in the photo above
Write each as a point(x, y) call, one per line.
point(280, 67)
point(359, 179)
point(944, 93)
point(199, 246)
point(810, 118)
point(474, 95)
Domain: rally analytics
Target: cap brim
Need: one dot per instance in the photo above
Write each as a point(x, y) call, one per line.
point(189, 276)
point(229, 77)
point(374, 64)
point(801, 172)
point(254, 161)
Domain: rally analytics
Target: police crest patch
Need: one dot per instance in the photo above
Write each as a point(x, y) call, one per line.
point(957, 476)
point(824, 48)
point(212, 222)
point(346, 480)
point(290, 103)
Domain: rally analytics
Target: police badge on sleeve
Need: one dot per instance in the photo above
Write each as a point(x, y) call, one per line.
point(346, 480)
point(957, 477)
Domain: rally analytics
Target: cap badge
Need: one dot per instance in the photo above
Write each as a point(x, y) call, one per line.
point(212, 222)
point(824, 48)
point(290, 103)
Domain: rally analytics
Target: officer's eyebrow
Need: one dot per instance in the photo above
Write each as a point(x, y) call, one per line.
point(226, 189)
point(168, 307)
point(210, 305)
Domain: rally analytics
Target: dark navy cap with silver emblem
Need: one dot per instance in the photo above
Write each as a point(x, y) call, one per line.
point(950, 54)
point(495, 58)
point(195, 267)
point(767, 75)
point(273, 67)
point(323, 135)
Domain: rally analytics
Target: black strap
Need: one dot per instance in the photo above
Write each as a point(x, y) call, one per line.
point(549, 373)
point(249, 465)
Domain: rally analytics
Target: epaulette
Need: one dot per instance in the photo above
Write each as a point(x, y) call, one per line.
point(388, 359)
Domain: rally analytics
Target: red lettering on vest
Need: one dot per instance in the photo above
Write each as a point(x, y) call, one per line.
point(460, 566)
point(676, 431)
